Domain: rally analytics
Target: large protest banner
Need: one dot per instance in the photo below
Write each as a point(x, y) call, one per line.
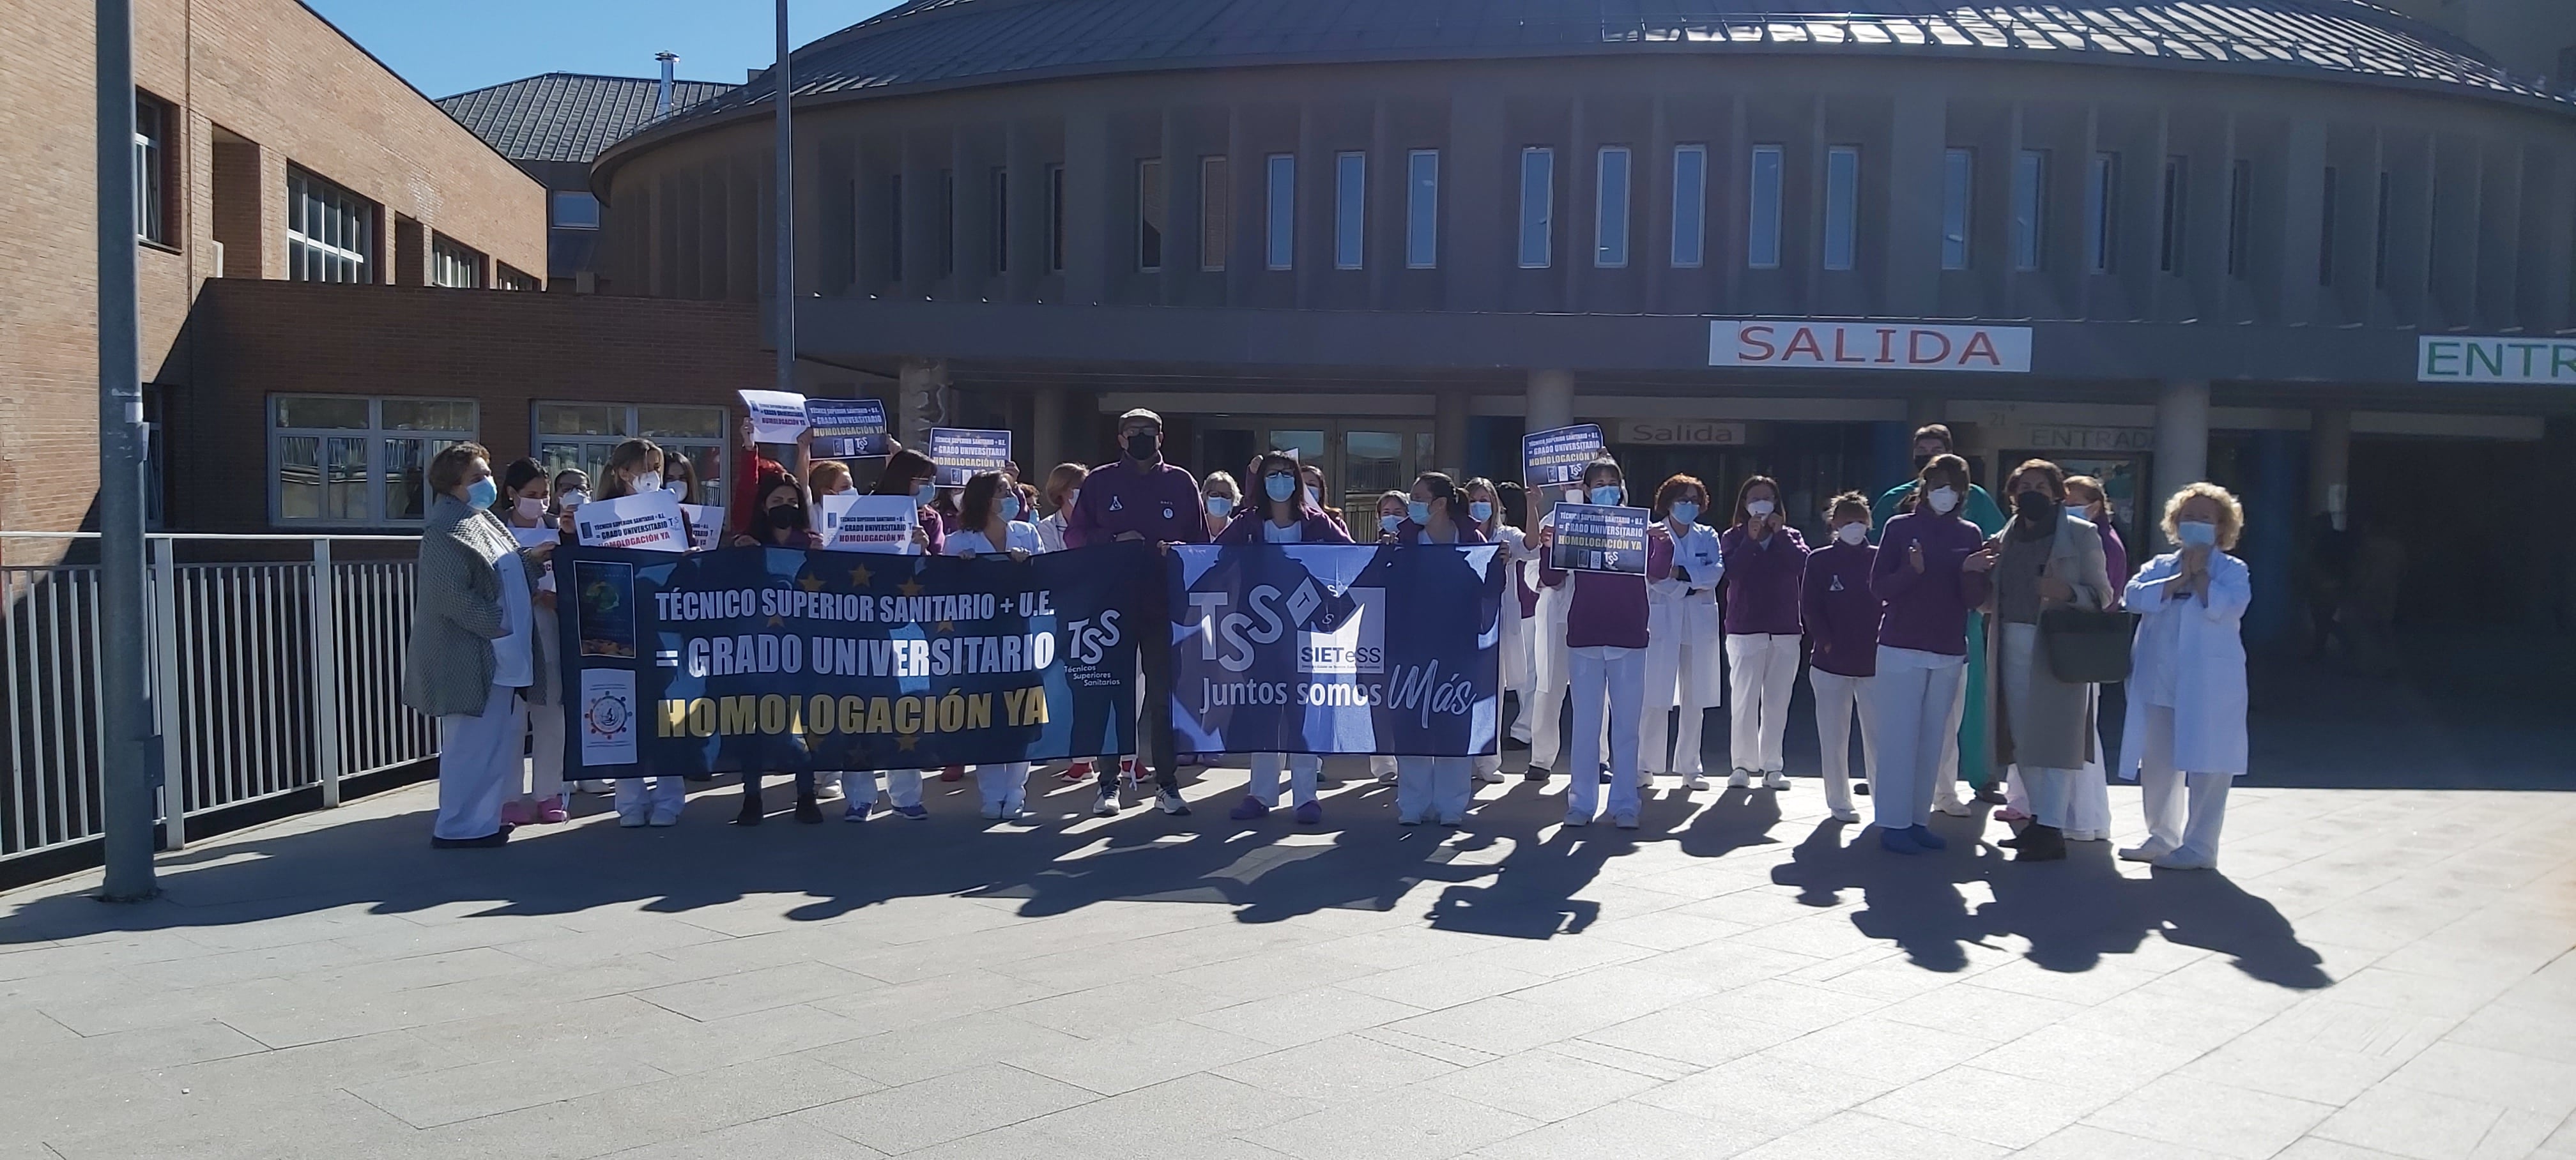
point(1336, 649)
point(776, 659)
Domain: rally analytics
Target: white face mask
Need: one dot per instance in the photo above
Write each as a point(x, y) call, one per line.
point(678, 487)
point(575, 498)
point(1071, 497)
point(1943, 499)
point(1759, 508)
point(531, 509)
point(648, 482)
point(1853, 533)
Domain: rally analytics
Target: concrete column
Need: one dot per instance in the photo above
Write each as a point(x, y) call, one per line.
point(921, 400)
point(1449, 434)
point(1046, 434)
point(1551, 405)
point(2182, 439)
point(2329, 458)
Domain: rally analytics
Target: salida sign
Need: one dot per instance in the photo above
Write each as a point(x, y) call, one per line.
point(1868, 346)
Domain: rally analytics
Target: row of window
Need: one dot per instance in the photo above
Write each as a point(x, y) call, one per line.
point(358, 461)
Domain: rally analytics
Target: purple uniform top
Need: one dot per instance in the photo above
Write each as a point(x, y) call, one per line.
point(1928, 612)
point(1608, 609)
point(1762, 580)
point(1842, 612)
point(2115, 558)
point(1159, 503)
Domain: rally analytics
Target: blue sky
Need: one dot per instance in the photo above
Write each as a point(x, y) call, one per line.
point(445, 47)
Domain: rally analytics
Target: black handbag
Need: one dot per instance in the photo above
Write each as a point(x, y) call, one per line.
point(2085, 647)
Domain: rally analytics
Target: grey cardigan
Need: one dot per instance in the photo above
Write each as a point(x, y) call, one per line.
point(457, 613)
point(2061, 713)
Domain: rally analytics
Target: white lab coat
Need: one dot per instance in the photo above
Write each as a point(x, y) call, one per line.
point(2199, 652)
point(1683, 647)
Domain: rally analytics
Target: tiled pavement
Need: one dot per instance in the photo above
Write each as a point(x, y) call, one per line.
point(2378, 973)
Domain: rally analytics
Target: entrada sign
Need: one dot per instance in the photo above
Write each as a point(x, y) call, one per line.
point(2455, 359)
point(1868, 346)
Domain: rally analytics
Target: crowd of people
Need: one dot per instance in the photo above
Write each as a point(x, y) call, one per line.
point(1936, 616)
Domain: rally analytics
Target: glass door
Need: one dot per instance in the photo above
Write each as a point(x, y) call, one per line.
point(1360, 458)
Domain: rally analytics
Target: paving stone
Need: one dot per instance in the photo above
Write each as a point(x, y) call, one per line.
point(915, 1116)
point(2412, 1123)
point(1404, 1124)
point(2212, 1117)
point(1341, 1069)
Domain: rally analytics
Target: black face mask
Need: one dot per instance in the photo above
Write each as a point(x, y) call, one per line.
point(2035, 508)
point(1921, 462)
point(1144, 447)
point(787, 516)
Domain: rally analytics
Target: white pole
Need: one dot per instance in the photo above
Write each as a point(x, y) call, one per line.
point(786, 212)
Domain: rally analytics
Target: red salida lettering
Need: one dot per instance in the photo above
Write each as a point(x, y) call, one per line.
point(1914, 347)
point(1754, 341)
point(1804, 340)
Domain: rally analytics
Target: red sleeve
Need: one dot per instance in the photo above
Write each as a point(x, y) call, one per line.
point(756, 470)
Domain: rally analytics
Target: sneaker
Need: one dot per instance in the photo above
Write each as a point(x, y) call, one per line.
point(1605, 777)
point(1846, 816)
point(1310, 814)
point(499, 837)
point(952, 773)
point(552, 812)
point(1740, 779)
point(1574, 819)
point(1775, 780)
point(992, 813)
point(1249, 808)
point(1695, 781)
point(1625, 821)
point(1898, 842)
point(1924, 837)
point(1171, 803)
point(913, 813)
point(518, 812)
point(1078, 771)
point(1408, 820)
point(2147, 851)
point(596, 787)
point(662, 821)
point(1106, 805)
point(1387, 778)
point(631, 819)
point(1952, 806)
point(1535, 773)
point(2173, 861)
point(827, 789)
point(1991, 796)
point(1488, 777)
point(856, 811)
point(1860, 788)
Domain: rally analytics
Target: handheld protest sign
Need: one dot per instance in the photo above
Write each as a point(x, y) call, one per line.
point(964, 452)
point(1556, 458)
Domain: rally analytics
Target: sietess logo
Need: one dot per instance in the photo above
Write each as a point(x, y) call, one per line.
point(1346, 637)
point(1868, 346)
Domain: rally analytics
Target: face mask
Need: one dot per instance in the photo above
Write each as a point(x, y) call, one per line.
point(1760, 508)
point(2034, 507)
point(1943, 499)
point(1311, 501)
point(1219, 506)
point(1142, 447)
point(1480, 511)
point(1685, 512)
point(530, 509)
point(1070, 499)
point(482, 492)
point(787, 515)
point(924, 493)
point(1608, 495)
point(1010, 507)
point(1921, 462)
point(1852, 533)
point(678, 487)
point(650, 481)
point(1279, 487)
point(575, 498)
point(2197, 533)
point(1418, 511)
point(1389, 524)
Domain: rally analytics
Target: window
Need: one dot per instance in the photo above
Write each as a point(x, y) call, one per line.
point(576, 211)
point(1690, 206)
point(1422, 209)
point(2176, 234)
point(2326, 231)
point(1280, 206)
point(579, 436)
point(1842, 207)
point(1610, 215)
point(454, 265)
point(1538, 207)
point(353, 460)
point(2102, 213)
point(2379, 238)
point(2240, 217)
point(947, 222)
point(1350, 210)
point(1216, 212)
point(1958, 206)
point(1762, 228)
point(1150, 218)
point(151, 170)
point(894, 225)
point(2030, 193)
point(1055, 219)
point(509, 279)
point(330, 232)
point(1000, 209)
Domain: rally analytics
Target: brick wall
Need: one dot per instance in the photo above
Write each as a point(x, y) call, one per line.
point(258, 84)
point(258, 339)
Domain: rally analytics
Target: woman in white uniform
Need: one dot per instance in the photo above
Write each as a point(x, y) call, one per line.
point(2186, 729)
point(1285, 515)
point(1682, 638)
point(989, 525)
point(524, 492)
point(1485, 511)
point(635, 467)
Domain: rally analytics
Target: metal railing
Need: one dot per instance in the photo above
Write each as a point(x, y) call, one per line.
point(267, 677)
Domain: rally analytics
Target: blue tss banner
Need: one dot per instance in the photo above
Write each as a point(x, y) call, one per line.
point(1336, 649)
point(775, 659)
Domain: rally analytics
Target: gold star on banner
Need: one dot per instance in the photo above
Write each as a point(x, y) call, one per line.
point(910, 588)
point(775, 621)
point(811, 583)
point(947, 626)
point(859, 577)
point(906, 742)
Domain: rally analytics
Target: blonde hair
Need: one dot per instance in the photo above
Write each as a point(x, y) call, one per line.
point(2231, 514)
point(1221, 483)
point(2093, 485)
point(825, 473)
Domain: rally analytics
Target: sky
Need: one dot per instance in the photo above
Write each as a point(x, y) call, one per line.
point(445, 47)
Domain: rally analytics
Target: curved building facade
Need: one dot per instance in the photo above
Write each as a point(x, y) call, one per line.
point(2248, 239)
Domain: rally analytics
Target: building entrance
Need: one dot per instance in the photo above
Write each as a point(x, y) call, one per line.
point(1360, 458)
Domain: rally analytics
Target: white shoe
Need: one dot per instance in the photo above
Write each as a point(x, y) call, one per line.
point(1952, 806)
point(1846, 816)
point(1577, 820)
point(1775, 780)
point(631, 821)
point(1488, 777)
point(2181, 861)
point(597, 787)
point(2146, 852)
point(1106, 805)
point(1740, 779)
point(1386, 778)
point(1695, 781)
point(827, 789)
point(1172, 803)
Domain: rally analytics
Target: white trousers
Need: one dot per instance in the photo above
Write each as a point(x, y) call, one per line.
point(1550, 673)
point(651, 797)
point(1429, 789)
point(1516, 676)
point(2192, 831)
point(1682, 673)
point(1303, 770)
point(902, 787)
point(1762, 669)
point(1003, 785)
point(1910, 699)
point(1945, 780)
point(478, 764)
point(1837, 698)
point(545, 751)
point(1608, 683)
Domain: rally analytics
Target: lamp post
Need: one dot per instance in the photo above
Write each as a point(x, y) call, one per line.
point(785, 259)
point(126, 752)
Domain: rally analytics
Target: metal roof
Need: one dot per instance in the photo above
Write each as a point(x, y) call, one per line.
point(567, 116)
point(944, 43)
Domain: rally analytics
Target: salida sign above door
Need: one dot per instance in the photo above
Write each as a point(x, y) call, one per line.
point(1867, 346)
